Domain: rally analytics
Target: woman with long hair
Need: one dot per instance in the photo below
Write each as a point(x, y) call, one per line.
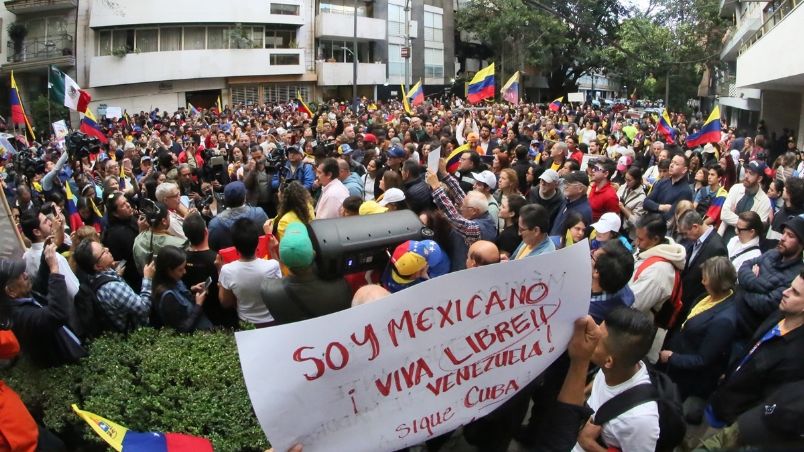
point(729, 172)
point(508, 183)
point(173, 304)
point(295, 204)
point(370, 178)
point(509, 237)
point(631, 195)
point(573, 230)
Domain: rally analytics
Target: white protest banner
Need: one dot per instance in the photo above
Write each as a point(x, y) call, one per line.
point(114, 112)
point(416, 364)
point(433, 159)
point(575, 97)
point(61, 131)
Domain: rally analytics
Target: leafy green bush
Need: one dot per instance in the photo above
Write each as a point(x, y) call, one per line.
point(151, 380)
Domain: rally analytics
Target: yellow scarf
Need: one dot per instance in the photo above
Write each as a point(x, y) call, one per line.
point(704, 305)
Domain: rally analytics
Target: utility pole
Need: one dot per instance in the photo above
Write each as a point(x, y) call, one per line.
point(407, 43)
point(354, 60)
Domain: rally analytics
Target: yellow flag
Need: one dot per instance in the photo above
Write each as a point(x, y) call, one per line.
point(405, 102)
point(111, 432)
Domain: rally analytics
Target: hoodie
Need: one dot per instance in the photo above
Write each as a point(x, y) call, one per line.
point(354, 185)
point(655, 283)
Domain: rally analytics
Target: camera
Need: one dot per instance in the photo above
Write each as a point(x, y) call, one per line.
point(80, 145)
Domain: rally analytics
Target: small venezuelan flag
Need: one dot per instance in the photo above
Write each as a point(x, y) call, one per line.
point(482, 85)
point(416, 94)
point(511, 89)
point(556, 104)
point(89, 125)
point(122, 439)
point(454, 159)
point(665, 127)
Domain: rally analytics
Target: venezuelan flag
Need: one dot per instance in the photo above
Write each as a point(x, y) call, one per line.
point(454, 159)
point(302, 106)
point(482, 85)
point(709, 133)
point(193, 111)
point(511, 89)
point(72, 209)
point(89, 125)
point(122, 439)
point(416, 94)
point(556, 104)
point(665, 128)
point(716, 205)
point(18, 115)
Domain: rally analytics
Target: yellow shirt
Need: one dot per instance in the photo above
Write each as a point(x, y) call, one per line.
point(704, 305)
point(288, 218)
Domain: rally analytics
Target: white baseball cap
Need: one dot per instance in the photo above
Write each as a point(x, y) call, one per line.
point(392, 195)
point(608, 222)
point(487, 177)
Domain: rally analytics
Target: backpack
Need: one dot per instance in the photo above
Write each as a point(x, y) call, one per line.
point(662, 390)
point(91, 319)
point(667, 315)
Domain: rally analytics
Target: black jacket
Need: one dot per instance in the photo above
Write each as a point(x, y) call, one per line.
point(119, 237)
point(297, 298)
point(551, 205)
point(692, 288)
point(761, 294)
point(36, 326)
point(773, 363)
point(701, 349)
point(418, 194)
point(521, 167)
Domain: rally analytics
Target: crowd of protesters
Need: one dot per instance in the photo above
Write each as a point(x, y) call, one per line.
point(697, 269)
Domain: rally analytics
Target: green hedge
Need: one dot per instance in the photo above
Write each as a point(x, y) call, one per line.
point(151, 380)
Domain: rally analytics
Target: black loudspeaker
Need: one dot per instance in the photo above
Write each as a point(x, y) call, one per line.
point(360, 243)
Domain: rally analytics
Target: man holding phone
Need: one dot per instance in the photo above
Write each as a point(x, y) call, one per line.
point(38, 228)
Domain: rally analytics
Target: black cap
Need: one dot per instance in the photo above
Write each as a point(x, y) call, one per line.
point(577, 177)
point(796, 226)
point(295, 149)
point(10, 269)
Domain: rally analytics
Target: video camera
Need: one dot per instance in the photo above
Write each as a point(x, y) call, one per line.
point(80, 145)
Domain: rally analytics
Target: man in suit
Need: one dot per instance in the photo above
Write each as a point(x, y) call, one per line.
point(487, 141)
point(704, 243)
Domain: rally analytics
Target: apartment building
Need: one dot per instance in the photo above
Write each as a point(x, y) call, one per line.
point(768, 78)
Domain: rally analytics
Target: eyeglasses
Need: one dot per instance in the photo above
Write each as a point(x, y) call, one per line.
point(100, 256)
point(742, 229)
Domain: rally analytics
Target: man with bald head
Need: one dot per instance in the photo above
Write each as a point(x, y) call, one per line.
point(482, 253)
point(369, 294)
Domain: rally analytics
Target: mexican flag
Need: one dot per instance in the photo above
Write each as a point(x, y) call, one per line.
point(64, 89)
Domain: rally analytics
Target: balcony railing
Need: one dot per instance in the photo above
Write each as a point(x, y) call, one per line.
point(32, 6)
point(41, 49)
point(772, 18)
point(727, 87)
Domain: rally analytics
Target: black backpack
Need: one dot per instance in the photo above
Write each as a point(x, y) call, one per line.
point(661, 390)
point(90, 319)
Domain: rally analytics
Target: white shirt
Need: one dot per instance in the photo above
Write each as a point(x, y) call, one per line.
point(588, 136)
point(735, 247)
point(176, 221)
point(332, 196)
point(633, 431)
point(244, 280)
point(33, 257)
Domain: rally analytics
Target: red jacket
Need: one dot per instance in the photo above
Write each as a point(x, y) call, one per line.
point(603, 200)
point(18, 430)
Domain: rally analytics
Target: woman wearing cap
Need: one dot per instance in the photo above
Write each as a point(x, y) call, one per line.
point(697, 355)
point(608, 228)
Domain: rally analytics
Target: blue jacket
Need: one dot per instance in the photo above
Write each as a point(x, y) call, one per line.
point(602, 303)
point(354, 185)
point(666, 192)
point(305, 174)
point(580, 205)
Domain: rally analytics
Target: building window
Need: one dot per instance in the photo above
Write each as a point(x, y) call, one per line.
point(217, 38)
point(147, 40)
point(123, 39)
point(433, 28)
point(279, 39)
point(245, 94)
point(396, 64)
point(169, 39)
point(396, 20)
point(195, 38)
point(284, 9)
point(284, 60)
point(284, 93)
point(433, 63)
point(341, 51)
point(343, 7)
point(104, 43)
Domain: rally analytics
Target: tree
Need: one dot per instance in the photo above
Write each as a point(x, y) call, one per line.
point(675, 40)
point(40, 119)
point(565, 39)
